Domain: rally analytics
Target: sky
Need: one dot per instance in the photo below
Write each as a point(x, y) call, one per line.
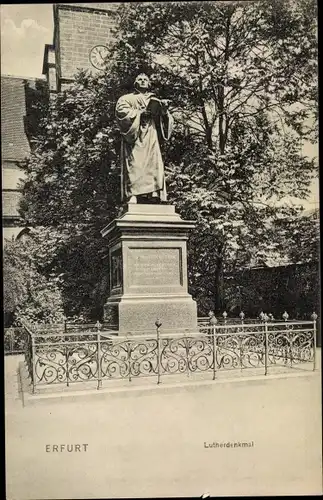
point(26, 28)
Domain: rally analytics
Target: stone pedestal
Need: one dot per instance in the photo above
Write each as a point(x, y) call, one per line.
point(148, 270)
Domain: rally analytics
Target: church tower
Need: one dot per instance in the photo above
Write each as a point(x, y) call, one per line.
point(82, 33)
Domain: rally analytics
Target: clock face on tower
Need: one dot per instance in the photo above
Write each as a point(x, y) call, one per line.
point(98, 56)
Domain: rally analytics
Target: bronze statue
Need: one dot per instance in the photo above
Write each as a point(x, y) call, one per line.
point(144, 122)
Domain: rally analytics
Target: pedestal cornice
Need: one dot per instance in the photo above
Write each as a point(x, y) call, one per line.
point(142, 218)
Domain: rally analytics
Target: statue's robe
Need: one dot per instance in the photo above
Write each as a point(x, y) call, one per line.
point(142, 168)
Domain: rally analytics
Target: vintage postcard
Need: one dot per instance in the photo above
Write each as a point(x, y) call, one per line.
point(162, 324)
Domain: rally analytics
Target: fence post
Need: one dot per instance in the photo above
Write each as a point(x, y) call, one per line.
point(129, 359)
point(33, 355)
point(214, 348)
point(158, 325)
point(314, 318)
point(99, 359)
point(240, 337)
point(242, 316)
point(187, 356)
point(266, 347)
point(285, 317)
point(67, 374)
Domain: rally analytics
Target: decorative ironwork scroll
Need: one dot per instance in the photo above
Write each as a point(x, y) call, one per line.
point(82, 356)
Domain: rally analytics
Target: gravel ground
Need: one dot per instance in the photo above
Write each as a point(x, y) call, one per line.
point(156, 445)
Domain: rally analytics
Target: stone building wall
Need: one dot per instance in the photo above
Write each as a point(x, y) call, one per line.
point(14, 148)
point(79, 28)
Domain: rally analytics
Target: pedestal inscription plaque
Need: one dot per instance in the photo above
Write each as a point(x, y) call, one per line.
point(154, 267)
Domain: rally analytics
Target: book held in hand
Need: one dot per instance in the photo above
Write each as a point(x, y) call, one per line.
point(155, 106)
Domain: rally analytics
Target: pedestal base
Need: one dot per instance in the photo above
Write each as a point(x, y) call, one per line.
point(139, 314)
point(148, 270)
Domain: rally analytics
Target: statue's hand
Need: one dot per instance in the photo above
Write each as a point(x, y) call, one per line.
point(164, 105)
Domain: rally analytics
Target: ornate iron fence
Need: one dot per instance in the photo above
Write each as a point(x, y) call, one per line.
point(66, 358)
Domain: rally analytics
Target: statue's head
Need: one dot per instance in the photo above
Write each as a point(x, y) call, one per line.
point(142, 82)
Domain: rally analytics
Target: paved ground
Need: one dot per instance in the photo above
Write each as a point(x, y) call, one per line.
point(153, 444)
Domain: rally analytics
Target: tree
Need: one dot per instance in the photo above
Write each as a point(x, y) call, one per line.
point(286, 277)
point(72, 187)
point(244, 88)
point(243, 91)
point(27, 293)
point(300, 237)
